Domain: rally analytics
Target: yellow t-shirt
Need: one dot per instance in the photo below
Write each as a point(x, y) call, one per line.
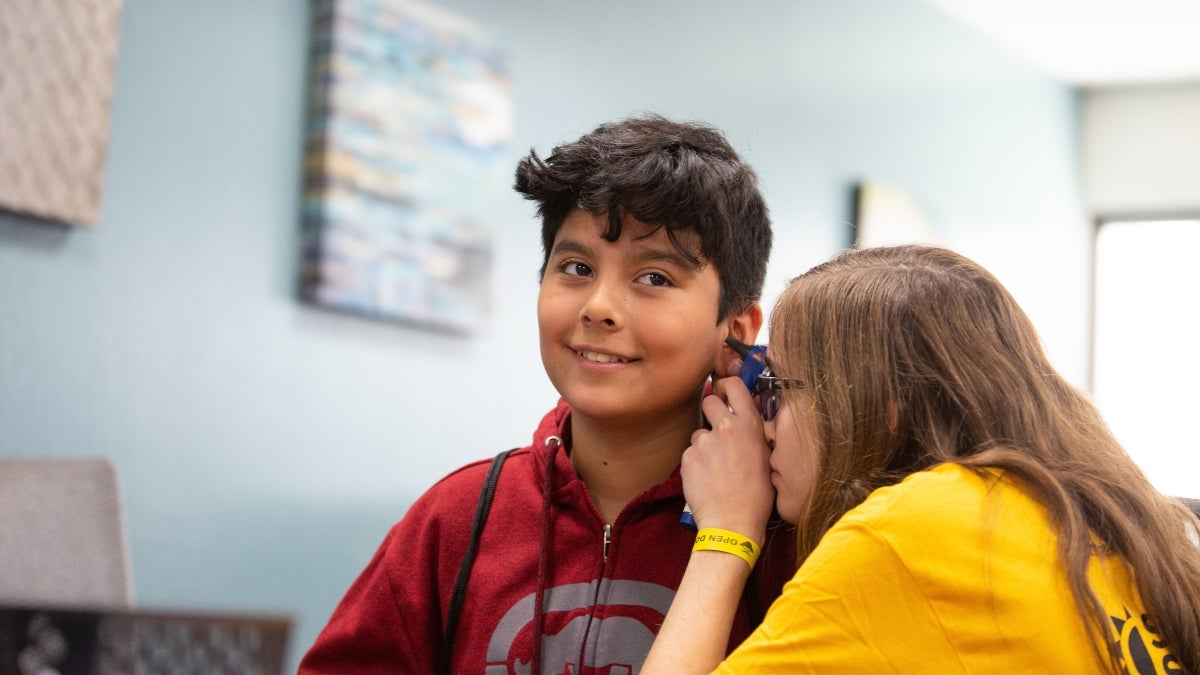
point(945, 572)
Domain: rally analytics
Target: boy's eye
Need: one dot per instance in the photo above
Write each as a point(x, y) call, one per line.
point(576, 269)
point(654, 279)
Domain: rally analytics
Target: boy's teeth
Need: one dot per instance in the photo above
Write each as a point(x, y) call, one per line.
point(600, 358)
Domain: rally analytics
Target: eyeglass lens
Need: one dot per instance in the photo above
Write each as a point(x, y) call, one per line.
point(768, 403)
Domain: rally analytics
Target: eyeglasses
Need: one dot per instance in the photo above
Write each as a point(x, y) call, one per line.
point(767, 387)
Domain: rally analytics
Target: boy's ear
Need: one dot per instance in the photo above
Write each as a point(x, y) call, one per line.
point(743, 326)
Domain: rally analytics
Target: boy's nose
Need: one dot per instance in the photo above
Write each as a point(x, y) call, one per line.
point(604, 307)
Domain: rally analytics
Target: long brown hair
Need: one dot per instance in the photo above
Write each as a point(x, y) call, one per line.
point(918, 356)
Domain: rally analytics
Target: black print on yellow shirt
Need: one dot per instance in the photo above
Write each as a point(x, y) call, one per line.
point(1138, 656)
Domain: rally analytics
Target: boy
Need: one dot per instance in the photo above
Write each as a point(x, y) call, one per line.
point(655, 241)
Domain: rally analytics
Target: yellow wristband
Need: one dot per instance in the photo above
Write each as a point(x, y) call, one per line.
point(713, 539)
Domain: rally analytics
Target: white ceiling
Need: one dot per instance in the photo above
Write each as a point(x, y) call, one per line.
point(1093, 43)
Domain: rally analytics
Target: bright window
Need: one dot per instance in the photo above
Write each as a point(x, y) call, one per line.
point(1145, 359)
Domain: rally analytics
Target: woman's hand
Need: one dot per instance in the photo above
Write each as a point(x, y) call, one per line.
point(726, 474)
point(727, 482)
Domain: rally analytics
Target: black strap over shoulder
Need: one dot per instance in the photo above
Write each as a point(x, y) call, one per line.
point(464, 572)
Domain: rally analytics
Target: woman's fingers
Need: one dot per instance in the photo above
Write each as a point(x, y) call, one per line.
point(725, 471)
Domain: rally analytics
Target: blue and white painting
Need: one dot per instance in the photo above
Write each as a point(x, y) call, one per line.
point(410, 115)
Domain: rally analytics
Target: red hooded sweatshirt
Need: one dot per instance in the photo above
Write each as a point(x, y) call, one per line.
point(604, 587)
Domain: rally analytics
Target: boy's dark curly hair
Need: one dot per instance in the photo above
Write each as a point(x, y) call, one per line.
point(674, 175)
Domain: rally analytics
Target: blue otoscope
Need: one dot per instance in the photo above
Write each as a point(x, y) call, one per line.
point(754, 362)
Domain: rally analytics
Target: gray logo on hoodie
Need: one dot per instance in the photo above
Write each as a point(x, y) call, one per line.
point(613, 644)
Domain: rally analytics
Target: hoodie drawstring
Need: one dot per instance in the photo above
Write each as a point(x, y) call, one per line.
point(539, 614)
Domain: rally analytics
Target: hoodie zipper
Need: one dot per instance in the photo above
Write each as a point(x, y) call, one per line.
point(607, 541)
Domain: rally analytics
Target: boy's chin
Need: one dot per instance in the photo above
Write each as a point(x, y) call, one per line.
point(620, 410)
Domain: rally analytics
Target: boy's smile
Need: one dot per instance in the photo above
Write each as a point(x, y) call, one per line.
point(601, 357)
point(628, 328)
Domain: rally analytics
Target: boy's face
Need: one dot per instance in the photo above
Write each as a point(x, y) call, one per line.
point(628, 328)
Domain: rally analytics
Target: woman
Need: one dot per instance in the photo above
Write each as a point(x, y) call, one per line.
point(959, 506)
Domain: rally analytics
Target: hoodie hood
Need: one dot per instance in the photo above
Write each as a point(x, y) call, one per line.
point(556, 425)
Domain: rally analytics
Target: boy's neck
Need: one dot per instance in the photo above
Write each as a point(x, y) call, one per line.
point(619, 462)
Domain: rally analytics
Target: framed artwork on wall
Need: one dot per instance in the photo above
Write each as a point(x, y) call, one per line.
point(56, 94)
point(883, 214)
point(409, 116)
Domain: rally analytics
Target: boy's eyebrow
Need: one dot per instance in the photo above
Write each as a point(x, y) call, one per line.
point(670, 256)
point(572, 246)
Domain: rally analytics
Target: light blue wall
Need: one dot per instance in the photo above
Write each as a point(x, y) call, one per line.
point(265, 447)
